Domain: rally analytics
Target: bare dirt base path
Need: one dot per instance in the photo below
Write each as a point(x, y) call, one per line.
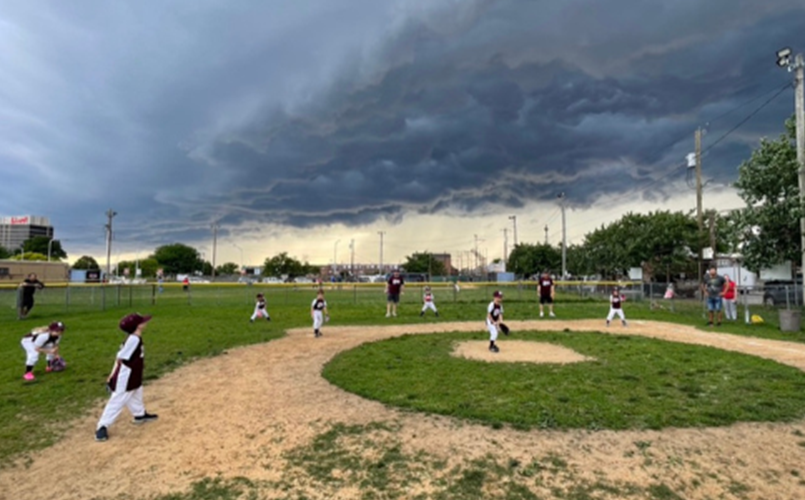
point(241, 413)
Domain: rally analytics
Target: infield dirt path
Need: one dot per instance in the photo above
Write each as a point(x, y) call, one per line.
point(238, 415)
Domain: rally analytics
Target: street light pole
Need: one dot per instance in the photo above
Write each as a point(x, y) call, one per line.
point(513, 218)
point(50, 245)
point(335, 256)
point(798, 68)
point(564, 236)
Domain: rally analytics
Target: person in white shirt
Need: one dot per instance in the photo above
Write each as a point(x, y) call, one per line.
point(616, 301)
point(318, 311)
point(494, 317)
point(45, 339)
point(427, 298)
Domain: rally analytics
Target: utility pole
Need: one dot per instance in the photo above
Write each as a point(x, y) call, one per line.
point(546, 234)
point(214, 246)
point(699, 212)
point(564, 236)
point(798, 68)
point(110, 214)
point(513, 218)
point(505, 245)
point(380, 266)
point(476, 251)
point(352, 257)
point(713, 232)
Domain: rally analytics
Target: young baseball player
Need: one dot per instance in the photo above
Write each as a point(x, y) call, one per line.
point(260, 310)
point(494, 316)
point(45, 339)
point(547, 292)
point(616, 301)
point(126, 380)
point(427, 297)
point(318, 311)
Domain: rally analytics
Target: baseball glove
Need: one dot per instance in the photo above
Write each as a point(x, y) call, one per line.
point(57, 364)
point(504, 328)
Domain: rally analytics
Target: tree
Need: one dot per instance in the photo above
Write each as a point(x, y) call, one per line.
point(659, 242)
point(178, 258)
point(282, 264)
point(227, 269)
point(31, 256)
point(423, 262)
point(768, 184)
point(4, 254)
point(86, 262)
point(39, 244)
point(527, 259)
point(206, 268)
point(148, 267)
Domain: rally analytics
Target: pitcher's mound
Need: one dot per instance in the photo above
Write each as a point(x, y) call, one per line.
point(518, 351)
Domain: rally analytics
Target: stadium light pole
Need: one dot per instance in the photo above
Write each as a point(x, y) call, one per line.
point(110, 214)
point(562, 199)
point(50, 246)
point(335, 256)
point(241, 254)
point(513, 218)
point(798, 68)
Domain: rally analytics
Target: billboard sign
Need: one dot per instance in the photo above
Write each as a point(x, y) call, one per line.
point(22, 220)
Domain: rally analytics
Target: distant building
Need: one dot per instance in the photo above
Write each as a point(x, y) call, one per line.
point(14, 231)
point(445, 259)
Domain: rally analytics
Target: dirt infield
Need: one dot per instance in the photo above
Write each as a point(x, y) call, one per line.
point(244, 412)
point(518, 351)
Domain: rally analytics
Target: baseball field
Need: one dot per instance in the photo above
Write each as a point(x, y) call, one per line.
point(405, 407)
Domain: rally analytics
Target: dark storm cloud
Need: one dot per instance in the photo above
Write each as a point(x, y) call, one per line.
point(315, 114)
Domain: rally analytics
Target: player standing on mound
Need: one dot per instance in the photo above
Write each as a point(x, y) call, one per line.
point(260, 310)
point(45, 339)
point(126, 380)
point(429, 304)
point(494, 318)
point(394, 287)
point(318, 311)
point(547, 292)
point(616, 301)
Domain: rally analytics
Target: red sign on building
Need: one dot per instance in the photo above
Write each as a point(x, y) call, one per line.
point(20, 220)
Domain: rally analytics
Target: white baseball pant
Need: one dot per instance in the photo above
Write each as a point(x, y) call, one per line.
point(259, 313)
point(318, 319)
point(133, 400)
point(493, 331)
point(429, 305)
point(31, 354)
point(618, 312)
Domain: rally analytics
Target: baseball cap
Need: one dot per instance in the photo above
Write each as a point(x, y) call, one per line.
point(498, 293)
point(56, 326)
point(130, 323)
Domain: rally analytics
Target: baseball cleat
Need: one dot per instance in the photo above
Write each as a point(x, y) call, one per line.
point(494, 348)
point(29, 376)
point(101, 434)
point(145, 417)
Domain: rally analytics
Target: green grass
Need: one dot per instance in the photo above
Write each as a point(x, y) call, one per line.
point(634, 383)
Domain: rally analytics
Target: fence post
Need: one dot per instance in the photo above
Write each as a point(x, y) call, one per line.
point(103, 297)
point(153, 294)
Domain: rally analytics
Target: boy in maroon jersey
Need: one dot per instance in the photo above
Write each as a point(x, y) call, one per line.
point(616, 301)
point(394, 287)
point(126, 380)
point(547, 292)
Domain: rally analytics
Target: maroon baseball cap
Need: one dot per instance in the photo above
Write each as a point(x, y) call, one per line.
point(130, 323)
point(498, 293)
point(56, 326)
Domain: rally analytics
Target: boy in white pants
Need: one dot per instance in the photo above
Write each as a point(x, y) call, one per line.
point(616, 301)
point(429, 304)
point(494, 317)
point(45, 339)
point(260, 310)
point(126, 380)
point(318, 311)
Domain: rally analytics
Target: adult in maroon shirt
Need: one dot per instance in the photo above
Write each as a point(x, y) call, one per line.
point(546, 290)
point(394, 287)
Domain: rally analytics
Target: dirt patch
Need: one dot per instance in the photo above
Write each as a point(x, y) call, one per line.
point(246, 413)
point(518, 351)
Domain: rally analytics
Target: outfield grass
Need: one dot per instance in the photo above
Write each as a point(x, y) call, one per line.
point(634, 383)
point(211, 319)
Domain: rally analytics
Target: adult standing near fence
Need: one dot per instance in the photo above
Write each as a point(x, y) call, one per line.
point(394, 287)
point(547, 292)
point(730, 307)
point(714, 286)
point(27, 289)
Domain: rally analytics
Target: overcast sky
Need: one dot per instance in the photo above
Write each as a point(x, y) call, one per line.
point(297, 124)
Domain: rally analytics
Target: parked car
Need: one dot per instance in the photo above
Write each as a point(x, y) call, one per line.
point(782, 292)
point(197, 280)
point(246, 280)
point(272, 280)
